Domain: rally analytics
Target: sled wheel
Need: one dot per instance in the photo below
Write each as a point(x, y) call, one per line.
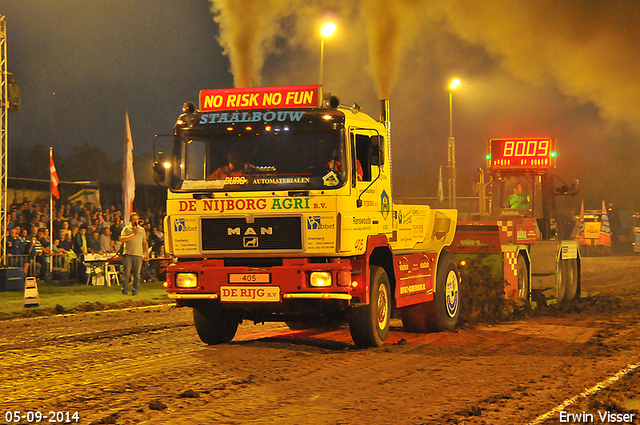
point(214, 324)
point(369, 324)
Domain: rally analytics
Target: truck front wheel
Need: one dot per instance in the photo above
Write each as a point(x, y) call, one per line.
point(369, 324)
point(214, 324)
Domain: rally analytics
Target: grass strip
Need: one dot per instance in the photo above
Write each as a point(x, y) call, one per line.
point(56, 298)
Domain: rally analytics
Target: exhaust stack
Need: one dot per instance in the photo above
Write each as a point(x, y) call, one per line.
point(384, 115)
point(386, 120)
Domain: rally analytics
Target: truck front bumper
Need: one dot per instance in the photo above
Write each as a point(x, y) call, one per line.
point(294, 279)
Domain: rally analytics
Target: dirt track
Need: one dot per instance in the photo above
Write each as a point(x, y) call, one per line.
point(119, 366)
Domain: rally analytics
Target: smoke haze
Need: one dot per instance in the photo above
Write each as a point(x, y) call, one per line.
point(247, 32)
point(586, 49)
point(390, 27)
point(567, 69)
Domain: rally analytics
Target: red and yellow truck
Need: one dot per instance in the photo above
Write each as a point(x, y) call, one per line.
point(280, 208)
point(516, 233)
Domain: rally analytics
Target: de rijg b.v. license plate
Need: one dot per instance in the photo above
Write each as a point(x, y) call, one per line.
point(249, 293)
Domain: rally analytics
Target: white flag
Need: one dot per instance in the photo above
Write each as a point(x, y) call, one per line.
point(128, 179)
point(440, 190)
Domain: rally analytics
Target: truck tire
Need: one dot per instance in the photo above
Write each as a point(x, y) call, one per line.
point(445, 308)
point(523, 282)
point(439, 314)
point(369, 324)
point(570, 277)
point(214, 324)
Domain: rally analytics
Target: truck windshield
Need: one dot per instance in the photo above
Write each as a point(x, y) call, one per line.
point(269, 155)
point(513, 195)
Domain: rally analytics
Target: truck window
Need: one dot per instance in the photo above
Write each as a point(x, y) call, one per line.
point(195, 159)
point(362, 155)
point(513, 195)
point(288, 155)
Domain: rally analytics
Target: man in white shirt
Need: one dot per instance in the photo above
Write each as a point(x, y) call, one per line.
point(134, 239)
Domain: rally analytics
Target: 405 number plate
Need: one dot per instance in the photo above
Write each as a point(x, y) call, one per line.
point(249, 278)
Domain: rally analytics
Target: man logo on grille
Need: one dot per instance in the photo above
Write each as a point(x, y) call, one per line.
point(249, 231)
point(250, 242)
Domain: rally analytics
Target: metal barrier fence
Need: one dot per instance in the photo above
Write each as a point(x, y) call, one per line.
point(67, 267)
point(25, 262)
point(64, 266)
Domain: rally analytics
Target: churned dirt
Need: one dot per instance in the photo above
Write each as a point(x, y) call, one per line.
point(146, 365)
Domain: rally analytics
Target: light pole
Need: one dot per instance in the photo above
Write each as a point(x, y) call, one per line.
point(326, 32)
point(451, 149)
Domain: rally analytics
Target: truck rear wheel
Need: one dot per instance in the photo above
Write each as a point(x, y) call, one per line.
point(369, 324)
point(570, 277)
point(214, 324)
point(446, 305)
point(441, 314)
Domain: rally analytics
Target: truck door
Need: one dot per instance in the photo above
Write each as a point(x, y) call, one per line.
point(545, 213)
point(368, 178)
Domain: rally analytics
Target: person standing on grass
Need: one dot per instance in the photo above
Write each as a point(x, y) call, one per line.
point(134, 240)
point(116, 229)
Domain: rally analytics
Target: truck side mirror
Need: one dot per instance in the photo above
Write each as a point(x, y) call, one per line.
point(575, 186)
point(159, 169)
point(377, 150)
point(572, 191)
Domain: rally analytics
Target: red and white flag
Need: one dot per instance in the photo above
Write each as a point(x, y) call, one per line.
point(55, 181)
point(128, 179)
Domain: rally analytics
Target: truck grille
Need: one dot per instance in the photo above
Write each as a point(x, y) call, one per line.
point(235, 234)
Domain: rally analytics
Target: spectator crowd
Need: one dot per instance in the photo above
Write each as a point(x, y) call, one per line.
point(78, 230)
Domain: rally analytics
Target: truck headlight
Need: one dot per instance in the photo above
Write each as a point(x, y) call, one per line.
point(186, 280)
point(320, 279)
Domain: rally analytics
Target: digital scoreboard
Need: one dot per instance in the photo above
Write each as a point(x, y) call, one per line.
point(521, 153)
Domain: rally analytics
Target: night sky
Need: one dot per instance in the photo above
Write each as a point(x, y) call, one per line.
point(566, 69)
